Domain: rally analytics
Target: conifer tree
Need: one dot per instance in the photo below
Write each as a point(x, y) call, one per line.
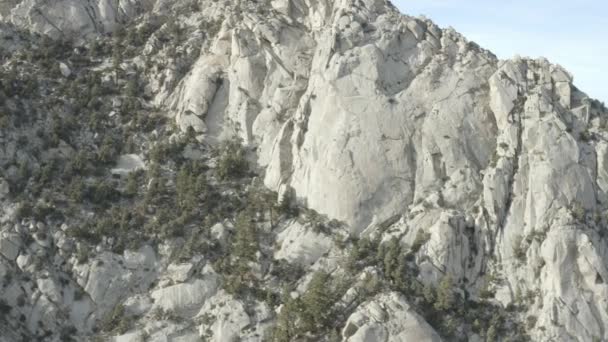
point(317, 301)
point(445, 295)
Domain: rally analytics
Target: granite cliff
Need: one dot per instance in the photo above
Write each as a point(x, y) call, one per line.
point(291, 170)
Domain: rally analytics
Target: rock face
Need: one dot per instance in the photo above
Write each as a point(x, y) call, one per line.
point(71, 18)
point(301, 245)
point(232, 318)
point(324, 102)
point(492, 172)
point(186, 296)
point(366, 113)
point(387, 318)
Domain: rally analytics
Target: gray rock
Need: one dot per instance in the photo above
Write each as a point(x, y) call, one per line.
point(128, 163)
point(494, 167)
point(10, 244)
point(387, 317)
point(179, 273)
point(229, 318)
point(71, 18)
point(186, 296)
point(25, 262)
point(301, 245)
point(107, 280)
point(134, 336)
point(65, 70)
point(220, 233)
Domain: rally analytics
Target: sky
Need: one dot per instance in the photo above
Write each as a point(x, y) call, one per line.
point(571, 33)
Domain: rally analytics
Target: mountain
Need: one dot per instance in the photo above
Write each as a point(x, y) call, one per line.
point(290, 170)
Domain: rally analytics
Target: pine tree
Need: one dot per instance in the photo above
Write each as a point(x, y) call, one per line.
point(232, 162)
point(492, 332)
point(80, 163)
point(186, 199)
point(317, 301)
point(246, 243)
point(286, 329)
point(132, 186)
point(391, 261)
point(428, 294)
point(400, 273)
point(445, 295)
point(76, 190)
point(107, 152)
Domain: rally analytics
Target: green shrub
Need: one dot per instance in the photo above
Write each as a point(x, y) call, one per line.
point(362, 253)
point(310, 314)
point(116, 320)
point(107, 151)
point(246, 243)
point(76, 190)
point(445, 296)
point(190, 185)
point(163, 151)
point(132, 186)
point(232, 162)
point(80, 163)
point(392, 258)
point(102, 192)
point(317, 302)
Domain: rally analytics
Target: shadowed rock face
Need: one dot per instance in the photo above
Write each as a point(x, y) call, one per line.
point(368, 114)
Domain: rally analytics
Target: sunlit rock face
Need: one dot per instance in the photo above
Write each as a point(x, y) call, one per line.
point(72, 18)
point(366, 116)
point(366, 113)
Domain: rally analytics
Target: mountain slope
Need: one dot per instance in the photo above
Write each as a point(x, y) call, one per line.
point(418, 178)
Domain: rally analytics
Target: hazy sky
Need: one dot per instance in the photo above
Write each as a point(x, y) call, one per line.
point(571, 33)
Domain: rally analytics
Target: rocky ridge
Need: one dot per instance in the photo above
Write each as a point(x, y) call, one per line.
point(463, 186)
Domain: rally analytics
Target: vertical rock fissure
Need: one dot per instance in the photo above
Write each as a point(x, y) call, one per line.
point(90, 13)
point(516, 155)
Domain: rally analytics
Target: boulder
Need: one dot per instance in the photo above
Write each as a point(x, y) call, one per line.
point(64, 69)
point(108, 281)
point(179, 273)
point(228, 318)
point(10, 244)
point(387, 317)
point(300, 244)
point(134, 336)
point(187, 296)
point(220, 233)
point(128, 163)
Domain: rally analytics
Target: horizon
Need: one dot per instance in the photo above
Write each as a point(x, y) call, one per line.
point(566, 33)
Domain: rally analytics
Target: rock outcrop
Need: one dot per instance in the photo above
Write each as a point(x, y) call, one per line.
point(71, 19)
point(490, 173)
point(387, 318)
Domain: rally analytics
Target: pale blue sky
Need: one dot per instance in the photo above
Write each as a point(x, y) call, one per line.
point(572, 33)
